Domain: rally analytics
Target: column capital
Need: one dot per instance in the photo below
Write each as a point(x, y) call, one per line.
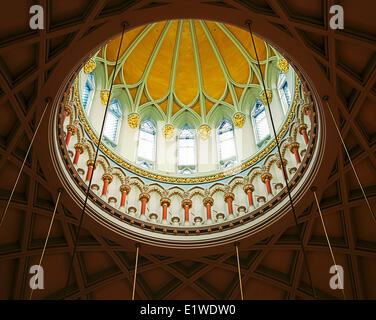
point(72, 129)
point(208, 200)
point(90, 163)
point(186, 202)
point(144, 196)
point(107, 177)
point(79, 147)
point(279, 165)
point(266, 177)
point(229, 196)
point(125, 188)
point(165, 201)
point(293, 146)
point(249, 187)
point(302, 127)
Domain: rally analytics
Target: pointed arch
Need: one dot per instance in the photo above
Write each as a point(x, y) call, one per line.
point(88, 94)
point(146, 144)
point(226, 143)
point(187, 150)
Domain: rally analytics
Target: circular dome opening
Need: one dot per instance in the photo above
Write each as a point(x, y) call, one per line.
point(188, 156)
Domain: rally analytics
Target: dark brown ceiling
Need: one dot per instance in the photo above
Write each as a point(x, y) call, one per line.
point(103, 269)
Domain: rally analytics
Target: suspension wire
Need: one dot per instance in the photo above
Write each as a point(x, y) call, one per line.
point(351, 162)
point(95, 160)
point(48, 100)
point(240, 275)
point(135, 271)
point(328, 241)
point(281, 159)
point(48, 235)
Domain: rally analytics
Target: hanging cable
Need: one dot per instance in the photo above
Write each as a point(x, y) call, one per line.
point(281, 159)
point(95, 160)
point(240, 275)
point(48, 234)
point(135, 271)
point(48, 100)
point(326, 98)
point(313, 189)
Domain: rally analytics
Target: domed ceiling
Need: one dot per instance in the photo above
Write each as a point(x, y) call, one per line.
point(180, 65)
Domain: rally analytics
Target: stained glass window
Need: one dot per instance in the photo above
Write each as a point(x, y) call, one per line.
point(88, 94)
point(226, 144)
point(113, 121)
point(260, 122)
point(146, 144)
point(284, 92)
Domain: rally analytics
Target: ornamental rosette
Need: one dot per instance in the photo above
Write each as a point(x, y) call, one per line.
point(204, 131)
point(283, 65)
point(168, 131)
point(89, 66)
point(263, 97)
point(133, 120)
point(239, 119)
point(105, 95)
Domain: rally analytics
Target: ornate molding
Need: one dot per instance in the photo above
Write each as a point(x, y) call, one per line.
point(204, 131)
point(133, 120)
point(168, 131)
point(283, 65)
point(105, 95)
point(89, 66)
point(263, 97)
point(239, 119)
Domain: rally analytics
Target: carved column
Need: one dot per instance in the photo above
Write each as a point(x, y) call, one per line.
point(265, 178)
point(90, 167)
point(107, 179)
point(71, 131)
point(303, 131)
point(79, 150)
point(144, 198)
point(294, 148)
point(165, 203)
point(186, 204)
point(282, 167)
point(208, 203)
point(229, 198)
point(67, 112)
point(248, 189)
point(307, 110)
point(124, 189)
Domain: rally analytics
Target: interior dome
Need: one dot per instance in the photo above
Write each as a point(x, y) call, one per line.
point(158, 169)
point(187, 99)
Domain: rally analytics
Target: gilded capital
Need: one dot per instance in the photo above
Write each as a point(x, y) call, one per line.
point(208, 200)
point(165, 201)
point(263, 96)
point(105, 95)
point(144, 196)
point(107, 177)
point(186, 202)
point(279, 165)
point(239, 119)
point(229, 196)
point(79, 147)
point(293, 146)
point(72, 129)
point(204, 131)
point(249, 188)
point(133, 120)
point(266, 177)
point(302, 127)
point(283, 65)
point(90, 163)
point(89, 66)
point(168, 131)
point(125, 188)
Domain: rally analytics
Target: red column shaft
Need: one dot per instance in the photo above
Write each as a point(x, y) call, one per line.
point(208, 211)
point(105, 187)
point(186, 209)
point(69, 134)
point(284, 173)
point(305, 136)
point(310, 116)
point(64, 116)
point(89, 173)
point(123, 197)
point(143, 206)
point(77, 156)
point(297, 156)
point(164, 217)
point(229, 204)
point(250, 198)
point(268, 188)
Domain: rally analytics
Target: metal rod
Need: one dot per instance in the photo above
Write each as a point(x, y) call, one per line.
point(240, 275)
point(135, 271)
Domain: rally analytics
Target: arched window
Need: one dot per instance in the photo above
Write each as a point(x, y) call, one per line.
point(88, 94)
point(113, 122)
point(260, 122)
point(146, 144)
point(284, 92)
point(186, 151)
point(226, 144)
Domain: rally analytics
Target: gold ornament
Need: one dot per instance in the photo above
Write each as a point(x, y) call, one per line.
point(89, 66)
point(133, 120)
point(263, 97)
point(204, 131)
point(283, 65)
point(239, 119)
point(169, 131)
point(105, 96)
